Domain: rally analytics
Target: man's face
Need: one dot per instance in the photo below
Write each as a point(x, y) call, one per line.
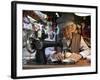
point(71, 27)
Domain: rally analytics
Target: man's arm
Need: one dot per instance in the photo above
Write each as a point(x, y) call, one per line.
point(85, 51)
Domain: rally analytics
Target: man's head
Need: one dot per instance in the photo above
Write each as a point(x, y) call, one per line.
point(70, 26)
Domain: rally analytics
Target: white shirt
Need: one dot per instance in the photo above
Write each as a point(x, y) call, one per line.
point(86, 50)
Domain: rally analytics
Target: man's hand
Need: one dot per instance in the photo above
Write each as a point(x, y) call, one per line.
point(59, 56)
point(74, 56)
point(67, 54)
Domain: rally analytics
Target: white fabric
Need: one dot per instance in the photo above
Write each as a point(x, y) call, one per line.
point(26, 23)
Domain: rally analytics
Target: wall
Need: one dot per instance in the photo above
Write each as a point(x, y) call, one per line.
point(5, 40)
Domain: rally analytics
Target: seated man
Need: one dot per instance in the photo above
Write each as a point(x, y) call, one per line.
point(74, 46)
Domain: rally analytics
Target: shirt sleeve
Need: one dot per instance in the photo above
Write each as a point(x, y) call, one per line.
point(85, 50)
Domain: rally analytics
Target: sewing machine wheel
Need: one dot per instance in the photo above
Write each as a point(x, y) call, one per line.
point(29, 46)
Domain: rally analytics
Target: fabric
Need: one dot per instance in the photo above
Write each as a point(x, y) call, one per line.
point(27, 24)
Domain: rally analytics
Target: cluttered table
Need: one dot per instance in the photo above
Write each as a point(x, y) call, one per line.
point(80, 63)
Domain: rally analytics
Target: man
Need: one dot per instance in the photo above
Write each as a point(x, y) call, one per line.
point(74, 47)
